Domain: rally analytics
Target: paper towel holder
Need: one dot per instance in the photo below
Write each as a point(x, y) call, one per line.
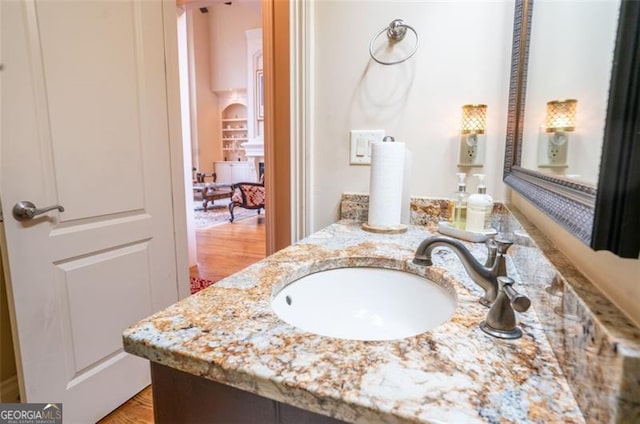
point(393, 229)
point(387, 229)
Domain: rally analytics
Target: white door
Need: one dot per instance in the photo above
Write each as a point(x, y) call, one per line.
point(85, 126)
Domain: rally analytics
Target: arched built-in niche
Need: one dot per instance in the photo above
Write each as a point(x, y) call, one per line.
point(234, 131)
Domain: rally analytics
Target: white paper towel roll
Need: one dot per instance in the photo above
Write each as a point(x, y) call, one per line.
point(405, 215)
point(386, 184)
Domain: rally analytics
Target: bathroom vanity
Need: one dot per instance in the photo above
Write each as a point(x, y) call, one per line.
point(224, 351)
point(224, 355)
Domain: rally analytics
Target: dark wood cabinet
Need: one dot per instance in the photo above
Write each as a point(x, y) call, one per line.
point(183, 398)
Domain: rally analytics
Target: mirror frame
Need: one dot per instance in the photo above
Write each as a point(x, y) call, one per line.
point(607, 218)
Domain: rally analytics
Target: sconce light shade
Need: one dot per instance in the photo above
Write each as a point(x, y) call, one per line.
point(561, 115)
point(554, 139)
point(472, 135)
point(474, 119)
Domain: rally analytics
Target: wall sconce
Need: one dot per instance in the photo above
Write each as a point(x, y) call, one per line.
point(472, 137)
point(553, 142)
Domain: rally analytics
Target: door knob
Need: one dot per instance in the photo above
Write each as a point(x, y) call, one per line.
point(26, 210)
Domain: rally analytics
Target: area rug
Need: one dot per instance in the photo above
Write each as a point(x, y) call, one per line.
point(218, 213)
point(198, 284)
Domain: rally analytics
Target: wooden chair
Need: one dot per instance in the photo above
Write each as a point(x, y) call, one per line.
point(247, 196)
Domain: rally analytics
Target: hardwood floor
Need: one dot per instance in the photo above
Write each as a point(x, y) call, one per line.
point(222, 251)
point(137, 410)
point(228, 248)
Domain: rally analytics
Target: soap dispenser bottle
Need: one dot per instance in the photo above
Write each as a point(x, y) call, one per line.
point(460, 203)
point(479, 208)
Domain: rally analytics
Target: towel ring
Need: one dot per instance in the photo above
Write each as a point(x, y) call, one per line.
point(396, 31)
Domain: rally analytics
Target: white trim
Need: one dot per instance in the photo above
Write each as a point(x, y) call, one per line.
point(309, 28)
point(301, 123)
point(254, 57)
point(176, 153)
point(185, 116)
point(193, 90)
point(9, 390)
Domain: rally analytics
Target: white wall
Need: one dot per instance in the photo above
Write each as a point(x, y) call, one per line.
point(228, 48)
point(464, 57)
point(617, 278)
point(208, 114)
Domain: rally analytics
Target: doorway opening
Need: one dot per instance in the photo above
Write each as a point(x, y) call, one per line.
point(221, 84)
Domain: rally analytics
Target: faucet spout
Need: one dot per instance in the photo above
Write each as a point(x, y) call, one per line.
point(485, 276)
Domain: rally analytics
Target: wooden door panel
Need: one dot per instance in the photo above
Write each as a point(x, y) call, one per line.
point(123, 375)
point(70, 240)
point(96, 285)
point(85, 125)
point(91, 69)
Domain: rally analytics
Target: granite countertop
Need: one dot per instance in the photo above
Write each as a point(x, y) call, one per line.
point(453, 373)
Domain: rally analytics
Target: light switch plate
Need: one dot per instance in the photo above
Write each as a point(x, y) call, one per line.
point(360, 142)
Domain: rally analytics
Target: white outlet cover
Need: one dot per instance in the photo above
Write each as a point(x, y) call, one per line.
point(363, 139)
point(472, 156)
point(551, 155)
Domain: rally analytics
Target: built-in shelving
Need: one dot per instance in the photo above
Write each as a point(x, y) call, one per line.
point(234, 131)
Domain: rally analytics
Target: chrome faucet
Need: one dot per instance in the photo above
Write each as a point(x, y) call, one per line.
point(486, 276)
point(492, 277)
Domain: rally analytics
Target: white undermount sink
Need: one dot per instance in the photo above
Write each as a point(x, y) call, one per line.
point(364, 304)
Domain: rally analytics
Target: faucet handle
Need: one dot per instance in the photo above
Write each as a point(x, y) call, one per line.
point(501, 320)
point(492, 251)
point(518, 301)
point(503, 245)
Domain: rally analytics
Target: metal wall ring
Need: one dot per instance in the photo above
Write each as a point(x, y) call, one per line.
point(396, 31)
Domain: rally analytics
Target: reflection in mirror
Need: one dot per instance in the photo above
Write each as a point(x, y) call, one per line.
point(570, 58)
point(603, 216)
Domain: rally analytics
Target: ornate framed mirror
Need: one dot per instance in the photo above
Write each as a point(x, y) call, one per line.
point(602, 211)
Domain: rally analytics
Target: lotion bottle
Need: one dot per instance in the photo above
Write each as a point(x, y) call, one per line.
point(479, 208)
point(460, 203)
